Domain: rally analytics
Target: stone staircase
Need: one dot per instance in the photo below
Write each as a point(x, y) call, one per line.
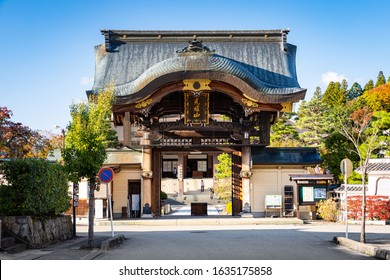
point(193, 196)
point(11, 244)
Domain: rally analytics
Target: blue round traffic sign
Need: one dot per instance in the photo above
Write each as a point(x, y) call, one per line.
point(106, 174)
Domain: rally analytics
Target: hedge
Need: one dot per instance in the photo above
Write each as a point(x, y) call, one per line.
point(33, 187)
point(377, 207)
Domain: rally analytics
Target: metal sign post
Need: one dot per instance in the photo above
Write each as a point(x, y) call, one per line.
point(106, 175)
point(346, 167)
point(75, 204)
point(109, 201)
point(346, 199)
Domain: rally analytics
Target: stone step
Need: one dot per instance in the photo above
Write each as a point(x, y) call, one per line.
point(15, 248)
point(7, 241)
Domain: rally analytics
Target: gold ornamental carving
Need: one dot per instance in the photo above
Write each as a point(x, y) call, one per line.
point(196, 84)
point(249, 103)
point(144, 103)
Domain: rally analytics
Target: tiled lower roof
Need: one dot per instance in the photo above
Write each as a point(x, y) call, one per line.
point(379, 164)
point(286, 156)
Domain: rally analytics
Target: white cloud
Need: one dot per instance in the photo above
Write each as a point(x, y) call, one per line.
point(328, 77)
point(86, 81)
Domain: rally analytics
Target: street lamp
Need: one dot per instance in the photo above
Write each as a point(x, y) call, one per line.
point(75, 184)
point(63, 136)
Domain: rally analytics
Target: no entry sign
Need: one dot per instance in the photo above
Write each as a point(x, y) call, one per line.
point(106, 174)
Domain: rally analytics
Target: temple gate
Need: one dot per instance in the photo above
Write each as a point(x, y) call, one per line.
point(183, 97)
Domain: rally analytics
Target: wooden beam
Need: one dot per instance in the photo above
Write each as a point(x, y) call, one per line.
point(265, 127)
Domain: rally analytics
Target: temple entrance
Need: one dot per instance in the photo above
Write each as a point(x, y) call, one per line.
point(183, 97)
point(134, 199)
point(188, 179)
point(182, 135)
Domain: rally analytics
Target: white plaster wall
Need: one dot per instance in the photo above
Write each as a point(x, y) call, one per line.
point(271, 181)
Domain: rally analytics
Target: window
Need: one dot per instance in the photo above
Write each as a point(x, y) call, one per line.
point(202, 165)
point(168, 168)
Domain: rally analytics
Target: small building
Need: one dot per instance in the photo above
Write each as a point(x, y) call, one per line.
point(378, 172)
point(378, 180)
point(311, 188)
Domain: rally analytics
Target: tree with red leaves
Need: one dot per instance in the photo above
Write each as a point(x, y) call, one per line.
point(19, 141)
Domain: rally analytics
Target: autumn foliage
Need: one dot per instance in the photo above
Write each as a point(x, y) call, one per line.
point(19, 141)
point(377, 207)
point(378, 98)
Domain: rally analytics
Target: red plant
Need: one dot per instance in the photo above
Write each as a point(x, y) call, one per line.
point(377, 207)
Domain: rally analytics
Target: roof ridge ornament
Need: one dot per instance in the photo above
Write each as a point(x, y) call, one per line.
point(195, 46)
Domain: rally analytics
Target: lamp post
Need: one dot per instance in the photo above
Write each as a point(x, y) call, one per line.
point(63, 136)
point(75, 184)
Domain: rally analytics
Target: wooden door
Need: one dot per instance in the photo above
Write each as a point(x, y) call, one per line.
point(134, 199)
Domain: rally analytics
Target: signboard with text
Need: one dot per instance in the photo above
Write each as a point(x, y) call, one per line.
point(196, 107)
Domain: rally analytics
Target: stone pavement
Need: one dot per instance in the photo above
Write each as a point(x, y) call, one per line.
point(75, 249)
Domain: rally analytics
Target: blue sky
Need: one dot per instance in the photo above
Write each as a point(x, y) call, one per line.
point(47, 59)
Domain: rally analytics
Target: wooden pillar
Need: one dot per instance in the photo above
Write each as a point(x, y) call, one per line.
point(265, 127)
point(246, 175)
point(215, 162)
point(180, 174)
point(127, 130)
point(156, 184)
point(147, 174)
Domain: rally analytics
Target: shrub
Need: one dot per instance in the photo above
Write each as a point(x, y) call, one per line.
point(328, 210)
point(377, 207)
point(229, 207)
point(33, 187)
point(163, 195)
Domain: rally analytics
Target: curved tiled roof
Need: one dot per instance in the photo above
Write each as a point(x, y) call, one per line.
point(213, 63)
point(266, 66)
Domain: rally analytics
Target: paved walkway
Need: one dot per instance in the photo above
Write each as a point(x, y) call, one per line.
point(185, 210)
point(378, 242)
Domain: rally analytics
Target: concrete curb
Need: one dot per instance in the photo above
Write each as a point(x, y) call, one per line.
point(112, 242)
point(360, 247)
point(193, 221)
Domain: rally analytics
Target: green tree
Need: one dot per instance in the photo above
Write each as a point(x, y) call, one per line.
point(381, 121)
point(337, 147)
point(354, 92)
point(313, 121)
point(335, 94)
point(33, 187)
point(284, 132)
point(223, 189)
point(369, 85)
point(89, 134)
point(381, 80)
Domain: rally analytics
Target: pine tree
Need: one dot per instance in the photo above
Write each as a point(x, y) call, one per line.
point(369, 85)
point(381, 80)
point(313, 120)
point(284, 132)
point(354, 92)
point(335, 94)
